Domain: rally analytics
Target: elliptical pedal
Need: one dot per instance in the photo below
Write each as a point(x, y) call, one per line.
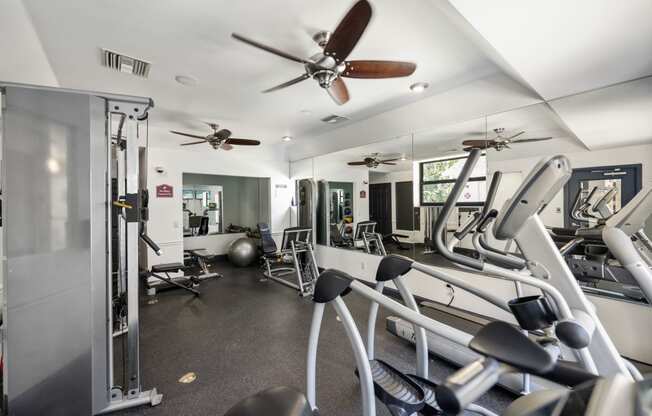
point(398, 392)
point(430, 406)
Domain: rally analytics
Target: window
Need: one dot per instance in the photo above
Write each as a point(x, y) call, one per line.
point(437, 177)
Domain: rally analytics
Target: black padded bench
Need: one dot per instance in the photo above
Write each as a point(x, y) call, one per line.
point(158, 270)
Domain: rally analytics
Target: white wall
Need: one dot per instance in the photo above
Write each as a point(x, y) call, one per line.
point(166, 223)
point(23, 58)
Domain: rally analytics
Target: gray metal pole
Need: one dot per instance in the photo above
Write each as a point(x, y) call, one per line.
point(421, 340)
point(371, 323)
point(311, 362)
point(131, 187)
point(364, 369)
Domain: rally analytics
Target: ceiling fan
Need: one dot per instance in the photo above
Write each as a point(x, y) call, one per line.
point(329, 66)
point(500, 142)
point(373, 161)
point(218, 139)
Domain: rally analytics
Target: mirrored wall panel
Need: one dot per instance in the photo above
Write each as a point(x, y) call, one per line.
point(365, 198)
point(439, 158)
point(219, 204)
point(603, 183)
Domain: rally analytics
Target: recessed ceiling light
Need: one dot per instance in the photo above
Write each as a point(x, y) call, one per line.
point(419, 86)
point(306, 112)
point(186, 80)
point(287, 138)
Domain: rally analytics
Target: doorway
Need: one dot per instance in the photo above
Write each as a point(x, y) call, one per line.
point(380, 206)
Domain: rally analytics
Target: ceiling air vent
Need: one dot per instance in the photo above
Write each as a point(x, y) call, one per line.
point(124, 63)
point(332, 119)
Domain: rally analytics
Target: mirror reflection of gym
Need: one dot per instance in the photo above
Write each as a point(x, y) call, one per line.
point(221, 204)
point(365, 198)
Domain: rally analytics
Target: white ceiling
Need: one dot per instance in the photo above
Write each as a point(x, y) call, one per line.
point(479, 57)
point(563, 47)
point(620, 115)
point(194, 39)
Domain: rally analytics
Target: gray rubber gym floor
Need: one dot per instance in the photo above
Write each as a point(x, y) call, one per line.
point(243, 335)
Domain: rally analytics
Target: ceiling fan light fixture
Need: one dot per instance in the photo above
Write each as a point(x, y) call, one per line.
point(334, 118)
point(286, 138)
point(186, 80)
point(419, 87)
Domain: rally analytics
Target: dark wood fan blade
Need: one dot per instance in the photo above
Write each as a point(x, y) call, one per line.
point(288, 83)
point(515, 135)
point(378, 69)
point(480, 144)
point(348, 32)
point(338, 91)
point(242, 142)
point(194, 136)
point(357, 163)
point(388, 163)
point(538, 139)
point(269, 49)
point(191, 143)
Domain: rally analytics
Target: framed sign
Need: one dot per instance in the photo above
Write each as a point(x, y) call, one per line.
point(164, 191)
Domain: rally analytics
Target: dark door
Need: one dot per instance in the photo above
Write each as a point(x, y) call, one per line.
point(625, 178)
point(404, 206)
point(380, 206)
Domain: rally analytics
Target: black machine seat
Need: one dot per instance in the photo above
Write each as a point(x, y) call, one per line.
point(276, 401)
point(507, 344)
point(167, 267)
point(267, 242)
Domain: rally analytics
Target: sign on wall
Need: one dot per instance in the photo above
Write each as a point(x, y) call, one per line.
point(164, 191)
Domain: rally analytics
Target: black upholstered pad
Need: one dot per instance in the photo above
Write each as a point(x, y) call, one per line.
point(167, 267)
point(507, 344)
point(277, 401)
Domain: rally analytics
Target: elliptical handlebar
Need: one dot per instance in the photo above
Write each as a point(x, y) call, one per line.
point(466, 228)
point(479, 216)
point(442, 219)
point(491, 193)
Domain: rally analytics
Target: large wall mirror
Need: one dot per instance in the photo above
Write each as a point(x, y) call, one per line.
point(439, 158)
point(365, 198)
point(602, 182)
point(221, 204)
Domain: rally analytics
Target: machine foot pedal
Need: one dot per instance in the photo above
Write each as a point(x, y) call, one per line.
point(430, 406)
point(401, 395)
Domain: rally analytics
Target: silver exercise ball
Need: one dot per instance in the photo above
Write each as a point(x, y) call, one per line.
point(243, 252)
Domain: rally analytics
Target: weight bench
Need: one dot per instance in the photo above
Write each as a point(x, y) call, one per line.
point(185, 283)
point(394, 238)
point(202, 257)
